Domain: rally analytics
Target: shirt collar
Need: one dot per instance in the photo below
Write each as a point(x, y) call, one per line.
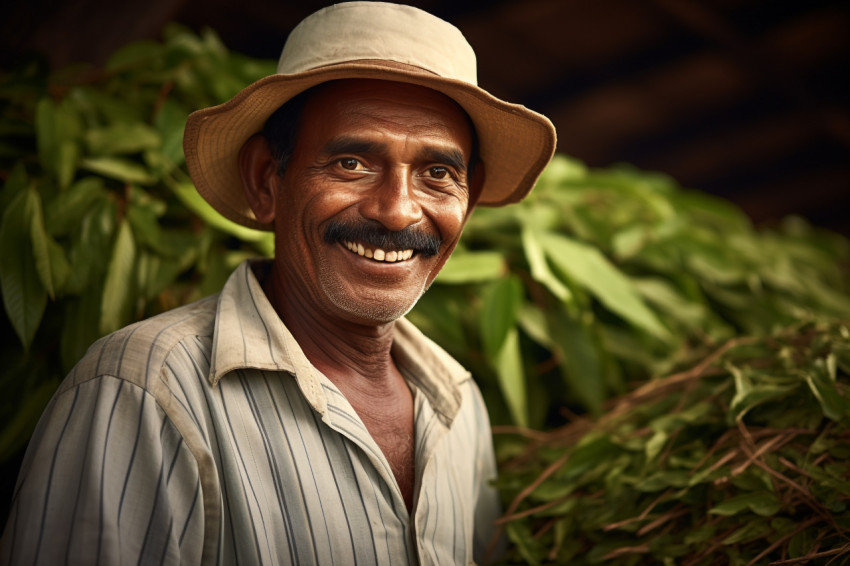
point(250, 334)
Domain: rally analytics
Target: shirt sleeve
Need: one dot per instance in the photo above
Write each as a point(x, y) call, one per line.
point(107, 479)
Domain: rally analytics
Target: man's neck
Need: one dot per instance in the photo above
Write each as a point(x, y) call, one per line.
point(360, 354)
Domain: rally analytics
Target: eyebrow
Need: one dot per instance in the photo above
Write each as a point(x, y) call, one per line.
point(347, 144)
point(352, 145)
point(452, 157)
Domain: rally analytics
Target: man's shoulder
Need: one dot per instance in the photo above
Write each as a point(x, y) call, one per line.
point(138, 352)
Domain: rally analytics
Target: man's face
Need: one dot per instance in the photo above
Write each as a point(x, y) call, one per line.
point(374, 198)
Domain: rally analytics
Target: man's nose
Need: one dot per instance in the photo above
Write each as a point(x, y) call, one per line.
point(393, 202)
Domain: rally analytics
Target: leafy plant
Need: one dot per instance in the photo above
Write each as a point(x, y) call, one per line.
point(101, 225)
point(741, 459)
point(602, 278)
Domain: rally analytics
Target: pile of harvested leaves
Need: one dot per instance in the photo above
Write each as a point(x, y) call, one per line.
point(742, 459)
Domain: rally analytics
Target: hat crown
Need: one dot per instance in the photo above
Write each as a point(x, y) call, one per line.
point(355, 31)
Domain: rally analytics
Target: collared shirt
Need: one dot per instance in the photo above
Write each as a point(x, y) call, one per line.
point(205, 436)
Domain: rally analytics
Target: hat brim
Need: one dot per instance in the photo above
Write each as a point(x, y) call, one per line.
point(515, 143)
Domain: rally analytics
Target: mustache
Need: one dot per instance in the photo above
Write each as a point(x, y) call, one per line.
point(372, 233)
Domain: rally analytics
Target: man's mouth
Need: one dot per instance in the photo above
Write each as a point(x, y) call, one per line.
point(378, 254)
point(371, 240)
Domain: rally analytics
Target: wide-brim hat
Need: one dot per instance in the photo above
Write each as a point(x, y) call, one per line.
point(369, 40)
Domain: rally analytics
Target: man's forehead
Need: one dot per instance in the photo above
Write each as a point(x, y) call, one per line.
point(381, 92)
point(342, 109)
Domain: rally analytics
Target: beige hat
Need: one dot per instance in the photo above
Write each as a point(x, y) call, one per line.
point(372, 40)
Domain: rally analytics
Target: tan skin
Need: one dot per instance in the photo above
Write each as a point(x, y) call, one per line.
point(371, 150)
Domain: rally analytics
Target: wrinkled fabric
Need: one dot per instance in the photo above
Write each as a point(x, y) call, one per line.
point(205, 436)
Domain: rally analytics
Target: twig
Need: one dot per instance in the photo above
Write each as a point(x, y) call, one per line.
point(782, 540)
point(775, 442)
point(644, 514)
point(641, 549)
point(529, 433)
point(808, 557)
point(553, 467)
point(507, 518)
point(661, 520)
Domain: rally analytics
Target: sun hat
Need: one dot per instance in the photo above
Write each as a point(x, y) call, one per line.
point(369, 40)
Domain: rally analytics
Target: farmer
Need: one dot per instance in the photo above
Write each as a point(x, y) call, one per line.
point(297, 417)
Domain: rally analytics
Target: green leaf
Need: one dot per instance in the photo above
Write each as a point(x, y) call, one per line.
point(99, 106)
point(118, 292)
point(592, 451)
point(664, 479)
point(581, 365)
point(666, 298)
point(749, 531)
point(171, 122)
point(92, 243)
point(532, 320)
point(24, 297)
point(749, 394)
point(440, 314)
point(536, 258)
point(16, 183)
point(58, 128)
point(472, 267)
point(147, 229)
point(764, 503)
point(500, 301)
point(588, 267)
point(118, 168)
point(508, 365)
point(50, 261)
point(121, 138)
point(189, 196)
point(67, 156)
point(64, 212)
point(562, 169)
point(78, 332)
point(156, 273)
point(821, 381)
point(526, 545)
point(135, 54)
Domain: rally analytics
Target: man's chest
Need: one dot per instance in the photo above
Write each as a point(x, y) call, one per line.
point(329, 488)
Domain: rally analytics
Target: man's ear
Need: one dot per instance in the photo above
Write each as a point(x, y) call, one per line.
point(476, 185)
point(260, 179)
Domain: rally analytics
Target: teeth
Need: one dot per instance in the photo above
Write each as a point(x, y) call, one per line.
point(379, 254)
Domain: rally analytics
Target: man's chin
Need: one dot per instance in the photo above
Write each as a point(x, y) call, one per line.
point(373, 307)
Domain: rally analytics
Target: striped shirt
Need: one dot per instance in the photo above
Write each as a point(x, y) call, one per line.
point(205, 436)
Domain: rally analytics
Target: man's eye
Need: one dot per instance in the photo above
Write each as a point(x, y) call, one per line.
point(438, 172)
point(349, 164)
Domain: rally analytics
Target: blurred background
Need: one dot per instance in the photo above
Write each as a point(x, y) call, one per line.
point(740, 98)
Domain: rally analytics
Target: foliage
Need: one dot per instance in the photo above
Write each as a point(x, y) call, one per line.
point(605, 277)
point(101, 225)
point(742, 459)
point(597, 283)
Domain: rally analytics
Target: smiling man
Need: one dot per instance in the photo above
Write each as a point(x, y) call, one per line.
point(297, 417)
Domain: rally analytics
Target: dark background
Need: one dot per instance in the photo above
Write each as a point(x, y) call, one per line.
point(740, 98)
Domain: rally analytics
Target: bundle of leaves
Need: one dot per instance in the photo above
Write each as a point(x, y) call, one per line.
point(742, 459)
point(602, 278)
point(101, 225)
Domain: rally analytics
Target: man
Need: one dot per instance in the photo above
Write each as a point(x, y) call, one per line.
point(297, 417)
